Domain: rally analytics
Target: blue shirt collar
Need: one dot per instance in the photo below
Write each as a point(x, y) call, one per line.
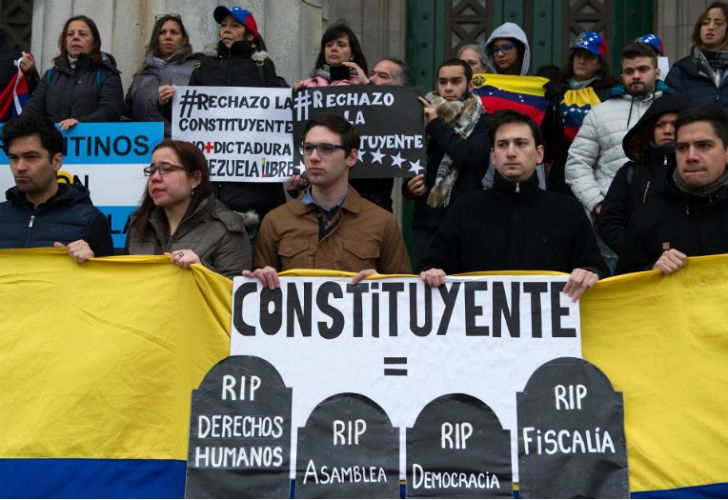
point(308, 199)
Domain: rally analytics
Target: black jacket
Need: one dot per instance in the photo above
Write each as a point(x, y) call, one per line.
point(694, 225)
point(68, 216)
point(687, 79)
point(640, 178)
point(86, 92)
point(241, 66)
point(471, 156)
point(515, 226)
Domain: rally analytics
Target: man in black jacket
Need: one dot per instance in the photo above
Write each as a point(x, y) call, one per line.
point(39, 211)
point(457, 151)
point(690, 214)
point(515, 225)
point(650, 146)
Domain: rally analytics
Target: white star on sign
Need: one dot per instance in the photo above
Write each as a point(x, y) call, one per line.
point(397, 161)
point(416, 167)
point(377, 157)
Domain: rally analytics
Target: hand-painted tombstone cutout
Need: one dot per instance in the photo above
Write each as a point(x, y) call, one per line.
point(240, 432)
point(571, 434)
point(458, 449)
point(348, 449)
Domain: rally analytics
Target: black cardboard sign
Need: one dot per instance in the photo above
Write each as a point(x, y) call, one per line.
point(458, 449)
point(240, 432)
point(571, 434)
point(348, 449)
point(389, 120)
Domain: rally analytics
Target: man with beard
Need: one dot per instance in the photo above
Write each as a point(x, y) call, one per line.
point(596, 154)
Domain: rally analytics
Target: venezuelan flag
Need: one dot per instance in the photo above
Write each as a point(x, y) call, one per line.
point(14, 96)
point(574, 108)
point(521, 93)
point(97, 367)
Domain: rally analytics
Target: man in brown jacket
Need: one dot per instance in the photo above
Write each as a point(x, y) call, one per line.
point(330, 226)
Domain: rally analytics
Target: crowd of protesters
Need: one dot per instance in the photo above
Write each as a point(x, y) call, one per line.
point(623, 174)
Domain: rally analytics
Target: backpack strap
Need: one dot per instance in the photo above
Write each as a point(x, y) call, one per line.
point(100, 76)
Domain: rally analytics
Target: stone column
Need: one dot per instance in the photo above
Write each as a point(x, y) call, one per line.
point(292, 30)
point(674, 23)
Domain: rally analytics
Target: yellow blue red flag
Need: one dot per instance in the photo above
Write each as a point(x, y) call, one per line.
point(97, 365)
point(521, 93)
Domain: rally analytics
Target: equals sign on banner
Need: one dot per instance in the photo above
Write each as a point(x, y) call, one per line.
point(395, 366)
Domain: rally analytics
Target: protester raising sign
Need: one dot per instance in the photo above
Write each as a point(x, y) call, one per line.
point(244, 132)
point(388, 118)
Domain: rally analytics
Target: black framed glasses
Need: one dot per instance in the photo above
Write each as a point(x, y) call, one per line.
point(324, 148)
point(163, 168)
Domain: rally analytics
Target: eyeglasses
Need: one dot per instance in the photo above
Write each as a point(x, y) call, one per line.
point(324, 149)
point(159, 17)
point(163, 168)
point(506, 47)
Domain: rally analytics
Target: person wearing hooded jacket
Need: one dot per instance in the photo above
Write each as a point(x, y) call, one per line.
point(689, 216)
point(596, 153)
point(83, 85)
point(650, 146)
point(702, 76)
point(507, 51)
point(241, 61)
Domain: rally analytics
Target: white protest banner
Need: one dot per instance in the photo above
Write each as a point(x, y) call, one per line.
point(244, 132)
point(108, 159)
point(403, 344)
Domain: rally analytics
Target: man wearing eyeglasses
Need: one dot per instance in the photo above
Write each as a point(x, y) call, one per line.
point(39, 211)
point(331, 226)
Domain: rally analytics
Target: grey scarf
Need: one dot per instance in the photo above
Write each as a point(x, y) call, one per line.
point(702, 191)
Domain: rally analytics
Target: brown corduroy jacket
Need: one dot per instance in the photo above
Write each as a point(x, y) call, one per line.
point(367, 236)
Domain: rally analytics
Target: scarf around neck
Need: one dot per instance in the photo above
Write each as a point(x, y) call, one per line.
point(462, 116)
point(701, 191)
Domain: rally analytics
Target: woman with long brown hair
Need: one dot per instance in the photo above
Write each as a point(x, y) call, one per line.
point(180, 217)
point(168, 61)
point(702, 77)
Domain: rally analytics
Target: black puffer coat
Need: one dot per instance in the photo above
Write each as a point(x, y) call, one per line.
point(640, 179)
point(86, 93)
point(67, 216)
point(241, 66)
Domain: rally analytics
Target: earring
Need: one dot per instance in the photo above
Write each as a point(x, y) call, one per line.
point(192, 191)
